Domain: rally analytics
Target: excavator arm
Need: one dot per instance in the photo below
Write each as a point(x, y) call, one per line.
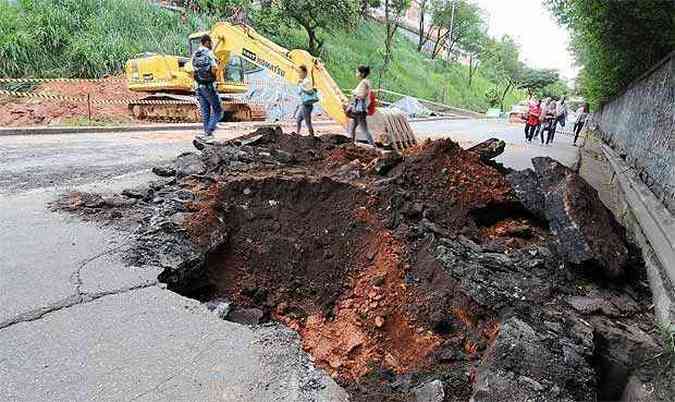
point(244, 41)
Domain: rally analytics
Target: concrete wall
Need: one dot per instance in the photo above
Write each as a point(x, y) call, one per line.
point(640, 123)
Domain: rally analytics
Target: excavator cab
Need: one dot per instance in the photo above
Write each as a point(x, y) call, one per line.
point(169, 82)
point(230, 77)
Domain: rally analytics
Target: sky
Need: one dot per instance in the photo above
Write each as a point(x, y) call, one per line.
point(543, 43)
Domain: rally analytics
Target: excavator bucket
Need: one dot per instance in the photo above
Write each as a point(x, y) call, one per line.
point(390, 127)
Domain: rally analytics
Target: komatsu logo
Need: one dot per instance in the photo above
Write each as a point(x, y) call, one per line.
point(262, 63)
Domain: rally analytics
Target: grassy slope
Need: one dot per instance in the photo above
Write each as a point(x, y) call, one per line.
point(411, 72)
point(92, 38)
point(84, 38)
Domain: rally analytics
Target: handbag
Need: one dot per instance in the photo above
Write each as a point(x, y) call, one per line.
point(310, 97)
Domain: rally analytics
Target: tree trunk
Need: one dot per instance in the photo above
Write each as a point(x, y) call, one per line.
point(315, 43)
point(312, 42)
point(438, 46)
point(501, 100)
point(470, 69)
point(364, 8)
point(391, 26)
point(422, 38)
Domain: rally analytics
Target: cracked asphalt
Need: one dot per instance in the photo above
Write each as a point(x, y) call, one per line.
point(78, 324)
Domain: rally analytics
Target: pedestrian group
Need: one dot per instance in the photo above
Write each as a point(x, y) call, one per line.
point(544, 116)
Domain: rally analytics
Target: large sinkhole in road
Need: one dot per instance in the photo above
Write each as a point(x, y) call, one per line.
point(288, 241)
point(312, 254)
point(391, 284)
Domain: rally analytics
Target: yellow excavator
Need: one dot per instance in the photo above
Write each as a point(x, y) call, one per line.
point(170, 80)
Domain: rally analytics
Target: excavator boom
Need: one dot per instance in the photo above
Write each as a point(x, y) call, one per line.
point(233, 42)
point(390, 125)
point(244, 41)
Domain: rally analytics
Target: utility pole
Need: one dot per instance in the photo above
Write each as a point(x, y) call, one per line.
point(450, 28)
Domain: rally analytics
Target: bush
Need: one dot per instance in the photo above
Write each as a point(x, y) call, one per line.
point(85, 38)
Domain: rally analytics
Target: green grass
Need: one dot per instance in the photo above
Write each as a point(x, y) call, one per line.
point(94, 38)
point(84, 38)
point(410, 72)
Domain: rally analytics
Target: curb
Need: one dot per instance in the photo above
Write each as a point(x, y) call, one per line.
point(655, 233)
point(13, 131)
point(93, 130)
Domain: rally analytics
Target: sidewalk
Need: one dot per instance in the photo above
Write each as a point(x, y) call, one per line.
point(635, 207)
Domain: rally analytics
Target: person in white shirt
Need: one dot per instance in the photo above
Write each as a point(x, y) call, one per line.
point(582, 115)
point(560, 117)
point(308, 97)
point(358, 109)
point(544, 118)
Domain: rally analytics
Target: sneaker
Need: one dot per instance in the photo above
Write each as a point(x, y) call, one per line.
point(199, 143)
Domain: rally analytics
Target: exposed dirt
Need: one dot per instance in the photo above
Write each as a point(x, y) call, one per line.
point(392, 280)
point(15, 112)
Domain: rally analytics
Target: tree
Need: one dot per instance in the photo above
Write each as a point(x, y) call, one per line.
point(393, 11)
point(474, 49)
point(468, 24)
point(555, 90)
point(319, 16)
point(422, 38)
point(219, 8)
point(501, 58)
point(535, 80)
point(615, 41)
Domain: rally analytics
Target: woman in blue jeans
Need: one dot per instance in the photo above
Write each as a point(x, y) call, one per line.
point(308, 97)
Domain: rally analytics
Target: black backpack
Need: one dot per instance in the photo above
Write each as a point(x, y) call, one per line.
point(201, 62)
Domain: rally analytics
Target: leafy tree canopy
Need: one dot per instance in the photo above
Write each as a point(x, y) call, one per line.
point(318, 17)
point(615, 41)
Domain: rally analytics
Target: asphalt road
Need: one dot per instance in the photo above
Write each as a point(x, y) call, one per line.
point(76, 323)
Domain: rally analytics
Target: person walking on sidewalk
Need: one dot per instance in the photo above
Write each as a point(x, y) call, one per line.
point(308, 97)
point(582, 115)
point(205, 69)
point(560, 117)
point(358, 109)
point(545, 118)
point(542, 115)
point(533, 113)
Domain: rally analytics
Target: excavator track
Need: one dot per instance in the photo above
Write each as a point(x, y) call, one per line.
point(185, 109)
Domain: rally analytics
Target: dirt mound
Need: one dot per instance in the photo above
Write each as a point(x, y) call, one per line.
point(441, 183)
point(15, 112)
point(402, 275)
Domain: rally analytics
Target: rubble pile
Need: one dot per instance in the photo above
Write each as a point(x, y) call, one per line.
point(429, 276)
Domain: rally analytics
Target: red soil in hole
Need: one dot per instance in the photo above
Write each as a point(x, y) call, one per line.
point(313, 254)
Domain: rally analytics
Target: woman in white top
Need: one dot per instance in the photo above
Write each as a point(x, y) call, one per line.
point(358, 110)
point(308, 97)
point(582, 115)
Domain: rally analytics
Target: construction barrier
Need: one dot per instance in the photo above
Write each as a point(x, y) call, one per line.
point(37, 80)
